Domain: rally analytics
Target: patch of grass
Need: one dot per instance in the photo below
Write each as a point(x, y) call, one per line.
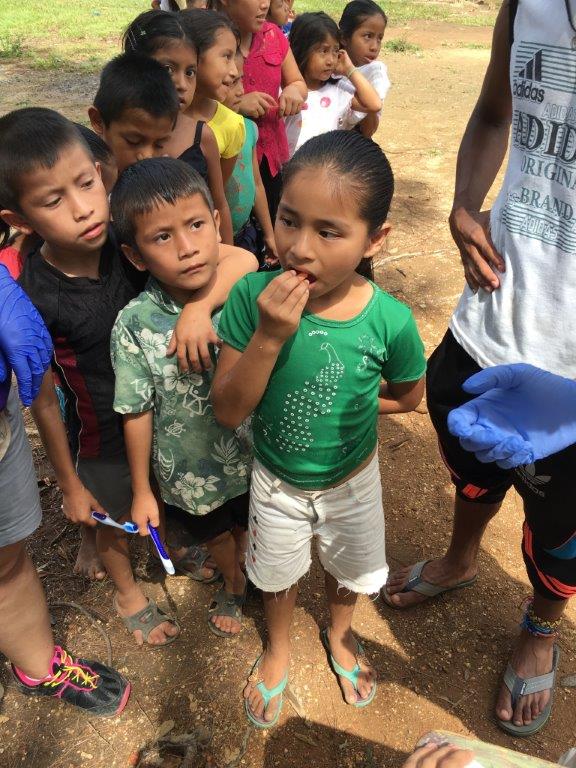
point(401, 45)
point(475, 46)
point(52, 61)
point(11, 46)
point(90, 30)
point(401, 11)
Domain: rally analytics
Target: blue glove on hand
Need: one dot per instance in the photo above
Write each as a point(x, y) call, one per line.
point(25, 343)
point(4, 382)
point(522, 414)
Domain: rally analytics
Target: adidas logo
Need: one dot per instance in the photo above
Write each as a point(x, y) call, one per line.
point(532, 70)
point(529, 472)
point(530, 73)
point(535, 483)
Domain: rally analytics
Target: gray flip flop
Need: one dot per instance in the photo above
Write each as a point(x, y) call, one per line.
point(225, 604)
point(148, 619)
point(518, 687)
point(418, 584)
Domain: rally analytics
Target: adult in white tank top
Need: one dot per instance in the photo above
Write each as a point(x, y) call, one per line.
point(519, 306)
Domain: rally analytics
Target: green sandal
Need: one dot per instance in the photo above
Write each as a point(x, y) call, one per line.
point(146, 620)
point(226, 604)
point(267, 695)
point(352, 676)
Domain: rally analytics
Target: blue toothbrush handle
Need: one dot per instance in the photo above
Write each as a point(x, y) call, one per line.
point(166, 562)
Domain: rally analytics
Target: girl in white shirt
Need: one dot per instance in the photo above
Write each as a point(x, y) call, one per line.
point(315, 43)
point(362, 28)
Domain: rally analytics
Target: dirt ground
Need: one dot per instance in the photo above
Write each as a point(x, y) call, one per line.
point(439, 665)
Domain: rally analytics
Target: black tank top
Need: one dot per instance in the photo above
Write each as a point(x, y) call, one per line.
point(194, 155)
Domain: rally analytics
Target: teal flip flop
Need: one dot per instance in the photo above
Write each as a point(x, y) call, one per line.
point(267, 695)
point(352, 675)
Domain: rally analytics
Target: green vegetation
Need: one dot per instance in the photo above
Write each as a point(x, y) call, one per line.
point(11, 47)
point(401, 45)
point(86, 33)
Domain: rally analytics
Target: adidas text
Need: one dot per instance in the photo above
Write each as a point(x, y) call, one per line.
point(526, 90)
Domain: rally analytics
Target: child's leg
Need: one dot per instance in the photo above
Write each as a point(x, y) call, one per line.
point(343, 644)
point(110, 483)
point(129, 599)
point(226, 554)
point(351, 546)
point(278, 610)
point(88, 561)
point(279, 536)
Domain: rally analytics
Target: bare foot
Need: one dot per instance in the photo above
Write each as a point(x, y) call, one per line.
point(346, 653)
point(228, 623)
point(88, 563)
point(440, 572)
point(533, 656)
point(271, 672)
point(133, 601)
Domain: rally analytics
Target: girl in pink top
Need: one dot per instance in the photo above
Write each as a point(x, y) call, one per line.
point(273, 84)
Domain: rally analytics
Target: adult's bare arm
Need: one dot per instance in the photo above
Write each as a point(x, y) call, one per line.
point(481, 154)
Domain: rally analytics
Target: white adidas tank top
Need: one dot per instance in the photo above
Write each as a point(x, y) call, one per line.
point(531, 318)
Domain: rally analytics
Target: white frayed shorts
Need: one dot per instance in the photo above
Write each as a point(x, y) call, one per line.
point(347, 520)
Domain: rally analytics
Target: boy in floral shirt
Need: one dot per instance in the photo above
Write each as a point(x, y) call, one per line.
point(167, 225)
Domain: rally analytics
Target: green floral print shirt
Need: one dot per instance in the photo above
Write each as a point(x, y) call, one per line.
point(199, 465)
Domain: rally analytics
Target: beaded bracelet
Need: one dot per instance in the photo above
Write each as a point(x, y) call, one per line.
point(351, 72)
point(537, 626)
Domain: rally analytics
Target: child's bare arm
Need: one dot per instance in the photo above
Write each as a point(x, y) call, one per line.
point(194, 331)
point(263, 213)
point(216, 182)
point(294, 90)
point(138, 431)
point(242, 377)
point(400, 398)
point(369, 125)
point(77, 501)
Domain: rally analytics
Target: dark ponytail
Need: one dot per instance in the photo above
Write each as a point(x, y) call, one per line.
point(308, 30)
point(358, 167)
point(152, 30)
point(356, 13)
point(202, 26)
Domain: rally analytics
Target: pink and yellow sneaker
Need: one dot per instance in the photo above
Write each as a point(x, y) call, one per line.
point(97, 689)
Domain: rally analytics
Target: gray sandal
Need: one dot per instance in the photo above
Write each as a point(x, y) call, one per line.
point(418, 584)
point(148, 619)
point(225, 604)
point(192, 563)
point(518, 687)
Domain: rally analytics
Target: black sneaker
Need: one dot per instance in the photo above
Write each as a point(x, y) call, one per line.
point(89, 685)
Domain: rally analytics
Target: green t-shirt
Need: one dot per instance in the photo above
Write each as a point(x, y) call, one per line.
point(317, 419)
point(199, 465)
point(240, 187)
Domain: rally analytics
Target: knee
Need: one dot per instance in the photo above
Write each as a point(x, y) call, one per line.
point(12, 561)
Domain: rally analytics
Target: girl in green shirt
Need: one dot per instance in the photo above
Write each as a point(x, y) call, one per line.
point(316, 353)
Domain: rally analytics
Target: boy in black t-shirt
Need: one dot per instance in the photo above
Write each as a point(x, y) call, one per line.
point(79, 281)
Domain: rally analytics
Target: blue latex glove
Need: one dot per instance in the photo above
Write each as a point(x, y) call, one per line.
point(4, 381)
point(522, 414)
point(25, 343)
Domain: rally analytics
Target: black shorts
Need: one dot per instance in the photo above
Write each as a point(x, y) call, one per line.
point(546, 487)
point(184, 529)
